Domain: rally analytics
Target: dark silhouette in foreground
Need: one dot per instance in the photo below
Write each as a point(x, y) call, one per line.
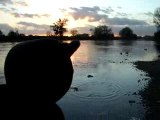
point(38, 73)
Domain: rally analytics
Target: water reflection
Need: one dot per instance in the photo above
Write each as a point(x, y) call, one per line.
point(113, 89)
point(151, 92)
point(112, 92)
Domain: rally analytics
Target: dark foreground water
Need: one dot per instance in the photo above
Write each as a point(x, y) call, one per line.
point(107, 82)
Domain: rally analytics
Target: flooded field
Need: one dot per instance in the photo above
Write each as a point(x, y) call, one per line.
point(106, 83)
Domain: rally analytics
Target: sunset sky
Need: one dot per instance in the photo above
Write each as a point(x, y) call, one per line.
point(35, 16)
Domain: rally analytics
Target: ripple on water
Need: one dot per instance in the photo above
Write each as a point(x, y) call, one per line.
point(97, 90)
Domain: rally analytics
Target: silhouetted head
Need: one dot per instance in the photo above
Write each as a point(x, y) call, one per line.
point(40, 69)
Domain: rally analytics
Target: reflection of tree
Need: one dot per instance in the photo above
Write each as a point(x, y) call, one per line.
point(103, 43)
point(126, 42)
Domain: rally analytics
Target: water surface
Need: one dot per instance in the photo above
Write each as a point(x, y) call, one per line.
point(110, 92)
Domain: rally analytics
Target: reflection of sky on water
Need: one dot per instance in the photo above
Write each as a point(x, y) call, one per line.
point(4, 48)
point(110, 92)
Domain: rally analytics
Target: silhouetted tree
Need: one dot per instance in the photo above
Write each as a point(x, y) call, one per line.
point(157, 36)
point(74, 32)
point(13, 34)
point(1, 34)
point(22, 35)
point(156, 20)
point(127, 33)
point(102, 32)
point(48, 33)
point(156, 17)
point(59, 27)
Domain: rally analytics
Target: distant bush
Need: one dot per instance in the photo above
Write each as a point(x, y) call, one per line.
point(157, 36)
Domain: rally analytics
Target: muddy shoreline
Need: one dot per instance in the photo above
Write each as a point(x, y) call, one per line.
point(151, 93)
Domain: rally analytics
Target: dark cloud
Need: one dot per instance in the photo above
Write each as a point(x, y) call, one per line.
point(10, 2)
point(93, 15)
point(13, 11)
point(124, 21)
point(122, 14)
point(149, 14)
point(32, 28)
point(7, 9)
point(90, 12)
point(34, 25)
point(96, 14)
point(108, 10)
point(15, 14)
point(6, 2)
point(25, 15)
point(5, 28)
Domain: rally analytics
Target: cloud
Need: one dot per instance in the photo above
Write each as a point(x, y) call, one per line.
point(87, 12)
point(96, 14)
point(124, 21)
point(108, 10)
point(34, 25)
point(121, 19)
point(26, 15)
point(150, 14)
point(22, 3)
point(122, 14)
point(5, 28)
point(7, 9)
point(6, 2)
point(10, 2)
point(32, 28)
point(119, 7)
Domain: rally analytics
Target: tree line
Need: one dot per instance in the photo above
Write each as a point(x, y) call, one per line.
point(100, 32)
point(156, 20)
point(103, 32)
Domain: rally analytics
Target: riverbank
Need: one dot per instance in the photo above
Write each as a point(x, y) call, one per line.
point(151, 67)
point(151, 93)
